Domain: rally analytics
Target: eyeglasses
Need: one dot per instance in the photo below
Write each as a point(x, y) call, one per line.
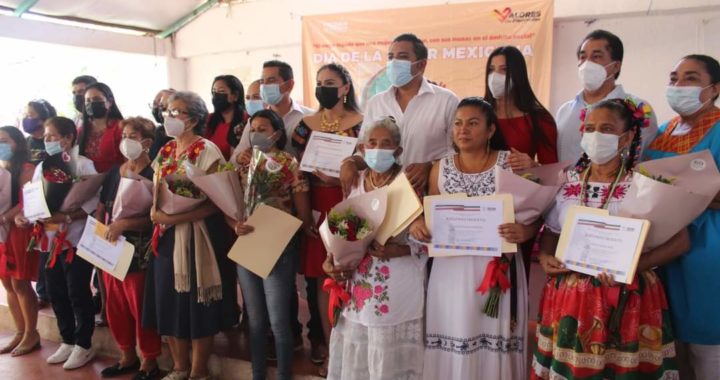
point(174, 112)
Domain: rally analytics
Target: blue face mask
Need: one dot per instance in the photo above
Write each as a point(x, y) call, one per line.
point(5, 152)
point(379, 160)
point(53, 147)
point(399, 72)
point(270, 93)
point(254, 105)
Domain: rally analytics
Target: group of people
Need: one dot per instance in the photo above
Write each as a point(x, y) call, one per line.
point(407, 317)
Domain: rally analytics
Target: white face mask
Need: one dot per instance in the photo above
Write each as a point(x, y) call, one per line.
point(131, 149)
point(592, 75)
point(600, 147)
point(685, 100)
point(496, 83)
point(174, 127)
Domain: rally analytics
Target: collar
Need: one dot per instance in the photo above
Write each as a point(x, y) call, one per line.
point(425, 87)
point(617, 92)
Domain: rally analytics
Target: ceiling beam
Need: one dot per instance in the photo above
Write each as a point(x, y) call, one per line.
point(24, 7)
point(177, 25)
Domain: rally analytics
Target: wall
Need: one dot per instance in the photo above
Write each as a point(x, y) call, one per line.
point(238, 39)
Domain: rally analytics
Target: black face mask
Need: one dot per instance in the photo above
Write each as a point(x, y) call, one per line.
point(157, 114)
point(96, 109)
point(327, 96)
point(220, 102)
point(79, 102)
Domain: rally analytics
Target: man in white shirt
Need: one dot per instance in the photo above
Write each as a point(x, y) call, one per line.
point(276, 84)
point(423, 111)
point(600, 58)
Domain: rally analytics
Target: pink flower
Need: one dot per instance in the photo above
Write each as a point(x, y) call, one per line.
point(572, 190)
point(364, 265)
point(378, 289)
point(384, 309)
point(385, 270)
point(360, 294)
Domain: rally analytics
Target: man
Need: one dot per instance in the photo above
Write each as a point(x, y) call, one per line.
point(159, 106)
point(78, 90)
point(276, 84)
point(423, 111)
point(600, 58)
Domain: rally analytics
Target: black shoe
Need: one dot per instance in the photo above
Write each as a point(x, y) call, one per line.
point(153, 374)
point(116, 370)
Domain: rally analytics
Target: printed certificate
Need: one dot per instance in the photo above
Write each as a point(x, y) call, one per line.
point(112, 257)
point(325, 152)
point(34, 205)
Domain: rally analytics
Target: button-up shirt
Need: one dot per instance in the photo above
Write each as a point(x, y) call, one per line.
point(425, 126)
point(568, 124)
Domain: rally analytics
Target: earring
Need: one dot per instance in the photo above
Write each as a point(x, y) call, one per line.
point(345, 99)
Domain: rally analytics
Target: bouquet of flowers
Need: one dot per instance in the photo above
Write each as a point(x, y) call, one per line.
point(670, 193)
point(177, 194)
point(533, 190)
point(263, 173)
point(348, 225)
point(57, 180)
point(134, 197)
point(223, 187)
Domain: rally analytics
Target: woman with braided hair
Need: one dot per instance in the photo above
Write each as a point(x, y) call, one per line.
point(590, 327)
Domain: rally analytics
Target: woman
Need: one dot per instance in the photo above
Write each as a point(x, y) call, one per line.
point(380, 333)
point(691, 281)
point(584, 331)
point(100, 135)
point(189, 314)
point(285, 188)
point(338, 114)
point(125, 298)
point(461, 342)
point(18, 266)
point(68, 275)
point(228, 99)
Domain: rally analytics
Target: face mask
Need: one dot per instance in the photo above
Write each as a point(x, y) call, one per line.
point(174, 127)
point(131, 149)
point(5, 152)
point(327, 96)
point(157, 114)
point(261, 141)
point(96, 109)
point(592, 75)
point(600, 147)
point(685, 100)
point(31, 125)
point(399, 72)
point(254, 105)
point(53, 147)
point(496, 83)
point(270, 93)
point(79, 102)
point(220, 102)
point(379, 160)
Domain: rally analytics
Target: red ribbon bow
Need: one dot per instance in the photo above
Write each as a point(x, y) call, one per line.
point(612, 295)
point(60, 243)
point(495, 276)
point(37, 237)
point(156, 235)
point(339, 297)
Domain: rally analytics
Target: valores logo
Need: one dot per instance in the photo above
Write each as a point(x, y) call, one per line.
point(507, 15)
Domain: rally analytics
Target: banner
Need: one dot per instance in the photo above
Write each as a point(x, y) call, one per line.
point(459, 38)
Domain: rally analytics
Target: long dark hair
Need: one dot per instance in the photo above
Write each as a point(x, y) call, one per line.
point(113, 113)
point(20, 157)
point(238, 107)
point(497, 140)
point(277, 125)
point(517, 87)
point(341, 71)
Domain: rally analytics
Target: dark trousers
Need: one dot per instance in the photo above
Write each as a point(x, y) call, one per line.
point(68, 286)
point(40, 286)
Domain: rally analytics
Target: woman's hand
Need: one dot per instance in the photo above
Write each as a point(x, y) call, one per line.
point(349, 175)
point(326, 178)
point(337, 273)
point(159, 217)
point(516, 233)
point(244, 157)
point(418, 175)
point(381, 251)
point(606, 279)
point(419, 230)
point(21, 220)
point(56, 218)
point(311, 231)
point(520, 161)
point(115, 229)
point(243, 229)
point(551, 265)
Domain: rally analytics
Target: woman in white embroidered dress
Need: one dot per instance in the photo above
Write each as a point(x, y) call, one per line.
point(461, 341)
point(380, 333)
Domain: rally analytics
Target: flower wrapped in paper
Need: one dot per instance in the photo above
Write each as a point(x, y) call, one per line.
point(176, 195)
point(352, 225)
point(670, 193)
point(223, 187)
point(134, 197)
point(533, 190)
point(57, 180)
point(263, 174)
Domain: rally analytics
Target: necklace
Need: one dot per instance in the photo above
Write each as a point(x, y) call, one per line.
point(606, 199)
point(467, 182)
point(385, 182)
point(328, 126)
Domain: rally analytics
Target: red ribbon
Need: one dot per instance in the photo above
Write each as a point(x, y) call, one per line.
point(60, 243)
point(37, 237)
point(338, 298)
point(495, 276)
point(156, 235)
point(612, 294)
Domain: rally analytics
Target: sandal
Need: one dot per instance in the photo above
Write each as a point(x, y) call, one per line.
point(20, 351)
point(13, 343)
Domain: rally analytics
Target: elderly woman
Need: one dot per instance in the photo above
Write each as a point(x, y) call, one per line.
point(692, 281)
point(380, 332)
point(461, 341)
point(584, 331)
point(184, 294)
